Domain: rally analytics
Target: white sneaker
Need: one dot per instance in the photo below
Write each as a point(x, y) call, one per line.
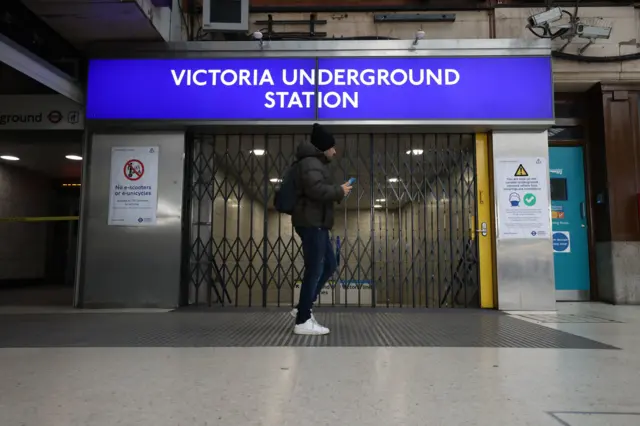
point(294, 313)
point(310, 328)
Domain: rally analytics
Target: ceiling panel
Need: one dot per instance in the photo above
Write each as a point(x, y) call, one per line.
point(83, 22)
point(44, 152)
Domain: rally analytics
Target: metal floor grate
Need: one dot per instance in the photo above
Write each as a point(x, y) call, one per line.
point(269, 327)
point(555, 318)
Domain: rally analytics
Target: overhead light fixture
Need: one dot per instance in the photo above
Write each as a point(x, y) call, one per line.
point(258, 152)
point(9, 158)
point(381, 200)
point(73, 157)
point(275, 180)
point(415, 152)
point(394, 180)
point(545, 18)
point(259, 37)
point(377, 206)
point(70, 185)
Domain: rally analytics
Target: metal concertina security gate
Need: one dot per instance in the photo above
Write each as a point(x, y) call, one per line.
point(405, 237)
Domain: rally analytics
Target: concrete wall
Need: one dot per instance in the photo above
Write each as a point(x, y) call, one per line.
point(619, 271)
point(509, 23)
point(23, 245)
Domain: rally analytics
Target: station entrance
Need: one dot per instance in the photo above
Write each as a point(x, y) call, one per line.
point(40, 182)
point(405, 236)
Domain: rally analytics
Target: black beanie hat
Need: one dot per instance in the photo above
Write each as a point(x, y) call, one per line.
point(322, 139)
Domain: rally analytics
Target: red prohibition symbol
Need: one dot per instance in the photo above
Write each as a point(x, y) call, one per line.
point(133, 169)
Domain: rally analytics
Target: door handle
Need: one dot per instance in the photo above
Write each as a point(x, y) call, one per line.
point(583, 211)
point(483, 229)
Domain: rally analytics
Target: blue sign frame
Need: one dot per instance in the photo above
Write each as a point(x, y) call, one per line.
point(473, 89)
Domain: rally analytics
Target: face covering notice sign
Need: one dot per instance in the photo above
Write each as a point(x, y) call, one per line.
point(523, 198)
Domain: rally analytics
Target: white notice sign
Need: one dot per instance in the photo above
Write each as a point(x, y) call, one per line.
point(523, 198)
point(134, 186)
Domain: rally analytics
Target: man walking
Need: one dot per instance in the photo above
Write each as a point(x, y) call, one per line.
point(312, 220)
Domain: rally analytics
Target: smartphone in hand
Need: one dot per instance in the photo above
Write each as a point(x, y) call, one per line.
point(352, 181)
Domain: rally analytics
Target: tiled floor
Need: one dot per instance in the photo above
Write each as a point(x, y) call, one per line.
point(426, 386)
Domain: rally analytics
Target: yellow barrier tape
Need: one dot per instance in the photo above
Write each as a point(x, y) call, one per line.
point(40, 219)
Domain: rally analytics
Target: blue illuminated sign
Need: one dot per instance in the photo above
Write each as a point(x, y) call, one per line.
point(475, 89)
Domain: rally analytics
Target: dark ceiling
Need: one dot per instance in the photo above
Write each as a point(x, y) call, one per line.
point(44, 152)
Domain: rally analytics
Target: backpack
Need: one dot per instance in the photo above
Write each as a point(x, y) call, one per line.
point(287, 194)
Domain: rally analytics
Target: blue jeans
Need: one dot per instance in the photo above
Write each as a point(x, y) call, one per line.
point(319, 265)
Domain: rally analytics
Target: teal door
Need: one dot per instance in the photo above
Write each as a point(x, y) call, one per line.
point(569, 223)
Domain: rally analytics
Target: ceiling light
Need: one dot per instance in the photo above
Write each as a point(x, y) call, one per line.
point(258, 152)
point(394, 180)
point(415, 152)
point(73, 157)
point(377, 206)
point(275, 180)
point(381, 200)
point(9, 158)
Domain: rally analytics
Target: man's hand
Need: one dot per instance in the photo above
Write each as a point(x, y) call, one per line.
point(346, 188)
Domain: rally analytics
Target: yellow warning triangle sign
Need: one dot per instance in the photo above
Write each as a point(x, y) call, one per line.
point(521, 171)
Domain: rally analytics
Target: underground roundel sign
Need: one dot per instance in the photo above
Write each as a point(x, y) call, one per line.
point(55, 117)
point(133, 169)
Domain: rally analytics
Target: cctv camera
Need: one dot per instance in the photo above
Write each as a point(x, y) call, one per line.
point(593, 32)
point(546, 17)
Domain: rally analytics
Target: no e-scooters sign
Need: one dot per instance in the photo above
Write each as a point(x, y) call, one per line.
point(133, 198)
point(133, 170)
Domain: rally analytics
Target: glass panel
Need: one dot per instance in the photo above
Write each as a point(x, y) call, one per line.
point(559, 189)
point(572, 133)
point(569, 109)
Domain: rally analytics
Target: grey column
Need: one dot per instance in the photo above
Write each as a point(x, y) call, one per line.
point(524, 266)
point(132, 267)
